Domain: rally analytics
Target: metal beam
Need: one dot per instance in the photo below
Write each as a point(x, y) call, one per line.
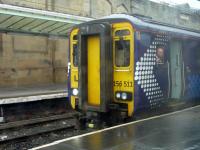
point(16, 20)
point(41, 14)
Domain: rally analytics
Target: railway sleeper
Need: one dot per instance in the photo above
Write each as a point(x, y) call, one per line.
point(36, 129)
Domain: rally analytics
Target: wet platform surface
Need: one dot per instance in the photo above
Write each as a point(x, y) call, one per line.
point(175, 131)
point(32, 93)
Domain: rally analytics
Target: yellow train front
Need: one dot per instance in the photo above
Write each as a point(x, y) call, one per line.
point(120, 64)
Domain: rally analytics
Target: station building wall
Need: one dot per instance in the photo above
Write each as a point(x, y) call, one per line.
point(181, 15)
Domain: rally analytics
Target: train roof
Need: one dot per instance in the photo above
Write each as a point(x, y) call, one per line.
point(148, 24)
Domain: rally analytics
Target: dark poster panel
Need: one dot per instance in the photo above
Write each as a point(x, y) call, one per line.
point(192, 68)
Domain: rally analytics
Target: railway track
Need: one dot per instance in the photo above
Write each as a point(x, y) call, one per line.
point(30, 133)
point(14, 132)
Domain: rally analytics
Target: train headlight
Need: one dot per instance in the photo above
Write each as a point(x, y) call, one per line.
point(118, 95)
point(75, 92)
point(124, 96)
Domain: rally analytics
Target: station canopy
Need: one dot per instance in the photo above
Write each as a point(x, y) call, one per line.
point(33, 21)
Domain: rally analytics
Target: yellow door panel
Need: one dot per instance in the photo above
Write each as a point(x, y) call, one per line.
point(93, 43)
point(123, 74)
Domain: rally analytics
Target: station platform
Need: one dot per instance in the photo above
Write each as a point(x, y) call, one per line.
point(174, 131)
point(32, 93)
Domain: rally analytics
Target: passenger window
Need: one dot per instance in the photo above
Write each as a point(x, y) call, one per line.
point(122, 53)
point(160, 54)
point(75, 55)
point(146, 39)
point(192, 50)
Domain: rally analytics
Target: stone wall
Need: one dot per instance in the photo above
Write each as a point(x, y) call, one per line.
point(89, 8)
point(30, 60)
point(164, 13)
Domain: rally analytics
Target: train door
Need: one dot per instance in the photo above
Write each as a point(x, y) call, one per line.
point(95, 67)
point(176, 68)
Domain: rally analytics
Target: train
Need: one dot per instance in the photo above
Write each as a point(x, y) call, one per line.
point(121, 64)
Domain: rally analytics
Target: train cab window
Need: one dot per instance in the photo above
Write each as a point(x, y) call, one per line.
point(122, 53)
point(75, 55)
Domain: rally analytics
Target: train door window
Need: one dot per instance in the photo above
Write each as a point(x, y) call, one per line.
point(74, 49)
point(75, 54)
point(122, 53)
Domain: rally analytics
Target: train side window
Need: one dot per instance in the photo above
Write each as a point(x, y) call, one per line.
point(160, 54)
point(146, 39)
point(75, 55)
point(122, 53)
point(192, 55)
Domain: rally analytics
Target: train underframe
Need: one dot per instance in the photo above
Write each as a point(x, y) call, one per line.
point(116, 114)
